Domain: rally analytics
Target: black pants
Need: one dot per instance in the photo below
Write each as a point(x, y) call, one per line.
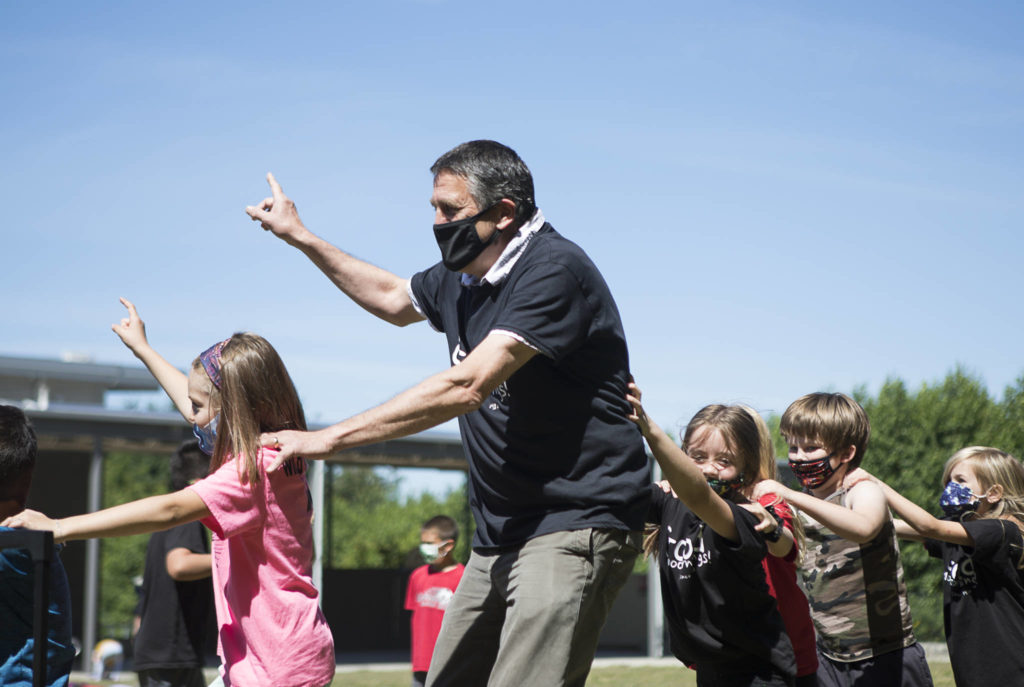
point(172, 677)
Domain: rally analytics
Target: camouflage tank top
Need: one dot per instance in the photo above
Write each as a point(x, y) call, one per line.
point(856, 591)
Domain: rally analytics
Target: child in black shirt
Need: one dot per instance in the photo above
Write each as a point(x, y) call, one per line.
point(722, 619)
point(983, 553)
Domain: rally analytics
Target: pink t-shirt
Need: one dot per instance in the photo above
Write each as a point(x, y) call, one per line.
point(271, 630)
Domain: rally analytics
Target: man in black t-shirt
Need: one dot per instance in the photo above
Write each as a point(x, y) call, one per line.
point(558, 478)
point(176, 601)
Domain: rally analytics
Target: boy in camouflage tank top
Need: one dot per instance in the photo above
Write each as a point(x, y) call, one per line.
point(851, 567)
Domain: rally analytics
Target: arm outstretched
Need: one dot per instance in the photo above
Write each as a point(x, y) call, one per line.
point(457, 390)
point(682, 473)
point(374, 289)
point(150, 514)
point(920, 521)
point(860, 521)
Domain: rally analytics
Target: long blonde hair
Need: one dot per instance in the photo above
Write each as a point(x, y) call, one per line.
point(770, 470)
point(256, 395)
point(994, 468)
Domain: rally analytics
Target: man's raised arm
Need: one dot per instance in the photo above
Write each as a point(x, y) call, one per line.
point(376, 290)
point(456, 391)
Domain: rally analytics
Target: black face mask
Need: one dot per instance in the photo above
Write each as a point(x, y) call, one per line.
point(459, 242)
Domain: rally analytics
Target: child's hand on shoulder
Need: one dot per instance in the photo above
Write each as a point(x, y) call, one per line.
point(32, 520)
point(769, 486)
point(638, 415)
point(131, 329)
point(857, 476)
point(666, 487)
point(766, 521)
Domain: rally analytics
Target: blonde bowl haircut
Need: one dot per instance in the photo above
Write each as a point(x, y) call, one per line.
point(833, 419)
point(256, 395)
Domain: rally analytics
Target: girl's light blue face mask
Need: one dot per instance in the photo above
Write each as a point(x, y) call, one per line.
point(207, 435)
point(957, 499)
point(210, 359)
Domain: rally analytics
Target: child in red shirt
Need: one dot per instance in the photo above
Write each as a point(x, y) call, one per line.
point(431, 587)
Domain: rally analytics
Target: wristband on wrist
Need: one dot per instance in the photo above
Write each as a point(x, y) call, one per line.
point(775, 534)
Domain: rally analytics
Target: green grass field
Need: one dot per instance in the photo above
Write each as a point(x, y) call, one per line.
point(611, 676)
point(614, 676)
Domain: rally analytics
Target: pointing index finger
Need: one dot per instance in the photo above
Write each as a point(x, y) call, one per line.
point(131, 307)
point(275, 187)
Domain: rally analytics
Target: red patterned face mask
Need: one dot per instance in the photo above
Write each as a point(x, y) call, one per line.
point(813, 473)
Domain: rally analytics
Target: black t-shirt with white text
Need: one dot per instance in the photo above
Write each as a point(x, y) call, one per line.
point(717, 604)
point(551, 449)
point(983, 603)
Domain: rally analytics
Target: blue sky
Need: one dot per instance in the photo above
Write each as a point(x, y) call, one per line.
point(784, 197)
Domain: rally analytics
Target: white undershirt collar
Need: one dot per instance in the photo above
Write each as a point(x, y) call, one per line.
point(513, 251)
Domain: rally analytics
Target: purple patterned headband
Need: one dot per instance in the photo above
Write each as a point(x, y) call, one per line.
point(210, 358)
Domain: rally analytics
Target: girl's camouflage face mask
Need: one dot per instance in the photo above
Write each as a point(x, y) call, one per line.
point(957, 499)
point(724, 486)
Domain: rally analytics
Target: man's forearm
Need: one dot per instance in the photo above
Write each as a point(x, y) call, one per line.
point(430, 403)
point(372, 288)
point(456, 391)
point(446, 395)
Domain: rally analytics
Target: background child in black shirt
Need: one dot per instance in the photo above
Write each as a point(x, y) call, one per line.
point(980, 543)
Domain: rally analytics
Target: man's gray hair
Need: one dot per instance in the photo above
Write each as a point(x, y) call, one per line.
point(492, 171)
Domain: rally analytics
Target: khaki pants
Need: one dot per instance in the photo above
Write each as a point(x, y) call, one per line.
point(532, 615)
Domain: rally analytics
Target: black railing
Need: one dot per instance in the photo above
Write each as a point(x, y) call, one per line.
point(40, 547)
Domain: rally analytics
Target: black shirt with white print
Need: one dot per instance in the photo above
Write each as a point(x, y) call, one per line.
point(983, 603)
point(720, 613)
point(551, 449)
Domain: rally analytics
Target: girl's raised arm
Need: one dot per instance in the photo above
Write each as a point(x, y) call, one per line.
point(132, 331)
point(682, 473)
point(150, 514)
point(922, 522)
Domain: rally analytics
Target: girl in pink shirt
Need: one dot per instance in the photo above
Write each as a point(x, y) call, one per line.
point(271, 629)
